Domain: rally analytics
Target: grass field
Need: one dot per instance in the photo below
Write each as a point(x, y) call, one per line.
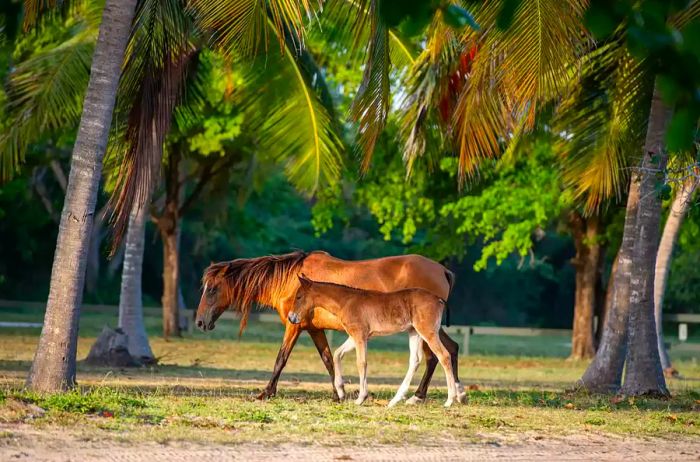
point(204, 388)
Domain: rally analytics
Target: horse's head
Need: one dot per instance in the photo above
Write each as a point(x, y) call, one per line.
point(303, 301)
point(215, 298)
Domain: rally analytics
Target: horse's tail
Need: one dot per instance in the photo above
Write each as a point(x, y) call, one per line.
point(450, 276)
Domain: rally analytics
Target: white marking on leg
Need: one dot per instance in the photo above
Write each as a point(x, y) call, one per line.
point(415, 351)
point(361, 352)
point(338, 381)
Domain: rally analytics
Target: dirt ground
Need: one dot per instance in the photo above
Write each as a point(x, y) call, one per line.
point(26, 443)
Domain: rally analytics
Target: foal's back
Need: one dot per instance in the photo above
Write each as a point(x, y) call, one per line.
point(386, 313)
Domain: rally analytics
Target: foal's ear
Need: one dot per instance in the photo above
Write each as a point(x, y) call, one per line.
point(305, 282)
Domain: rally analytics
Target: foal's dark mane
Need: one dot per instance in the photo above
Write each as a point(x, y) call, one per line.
point(246, 281)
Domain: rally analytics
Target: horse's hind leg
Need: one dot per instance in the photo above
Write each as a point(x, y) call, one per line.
point(414, 346)
point(346, 347)
point(321, 342)
point(431, 363)
point(453, 348)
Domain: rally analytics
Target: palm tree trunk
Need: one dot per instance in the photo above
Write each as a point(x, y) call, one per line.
point(53, 367)
point(130, 298)
point(643, 372)
point(605, 301)
point(679, 207)
point(604, 374)
point(586, 263)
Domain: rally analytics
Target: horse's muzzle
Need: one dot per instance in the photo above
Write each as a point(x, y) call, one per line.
point(294, 318)
point(205, 326)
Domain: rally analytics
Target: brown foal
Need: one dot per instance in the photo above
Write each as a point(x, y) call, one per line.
point(367, 313)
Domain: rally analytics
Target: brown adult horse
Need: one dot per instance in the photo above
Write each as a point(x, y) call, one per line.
point(273, 281)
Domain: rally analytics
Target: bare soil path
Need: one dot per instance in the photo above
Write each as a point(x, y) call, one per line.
point(21, 442)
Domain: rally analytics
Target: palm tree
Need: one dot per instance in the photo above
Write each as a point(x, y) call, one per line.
point(54, 364)
point(130, 295)
point(679, 207)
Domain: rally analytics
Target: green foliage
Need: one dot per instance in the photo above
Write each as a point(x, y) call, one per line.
point(520, 200)
point(666, 34)
point(513, 202)
point(44, 89)
point(682, 294)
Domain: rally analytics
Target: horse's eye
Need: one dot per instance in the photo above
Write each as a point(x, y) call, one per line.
point(211, 290)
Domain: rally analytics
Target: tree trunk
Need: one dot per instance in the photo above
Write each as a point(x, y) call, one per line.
point(679, 207)
point(604, 374)
point(53, 368)
point(171, 274)
point(130, 297)
point(588, 254)
point(606, 301)
point(643, 372)
point(169, 226)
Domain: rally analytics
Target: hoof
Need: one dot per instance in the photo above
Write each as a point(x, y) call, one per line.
point(265, 395)
point(449, 402)
point(462, 398)
point(360, 400)
point(415, 400)
point(394, 402)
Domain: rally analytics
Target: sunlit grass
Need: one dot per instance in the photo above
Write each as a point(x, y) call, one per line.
point(205, 390)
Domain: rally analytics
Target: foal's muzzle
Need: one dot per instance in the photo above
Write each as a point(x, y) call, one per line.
point(294, 318)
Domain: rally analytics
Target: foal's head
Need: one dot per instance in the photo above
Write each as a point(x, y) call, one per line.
point(303, 301)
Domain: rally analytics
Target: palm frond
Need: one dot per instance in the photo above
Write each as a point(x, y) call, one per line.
point(45, 90)
point(433, 84)
point(602, 124)
point(514, 72)
point(241, 26)
point(289, 119)
point(370, 108)
point(159, 54)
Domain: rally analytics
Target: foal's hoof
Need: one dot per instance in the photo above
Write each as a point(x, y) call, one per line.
point(360, 400)
point(462, 397)
point(449, 402)
point(415, 400)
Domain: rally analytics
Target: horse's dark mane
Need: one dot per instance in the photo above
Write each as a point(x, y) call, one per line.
point(246, 281)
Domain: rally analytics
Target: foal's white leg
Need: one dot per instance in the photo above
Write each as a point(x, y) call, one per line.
point(361, 353)
point(338, 382)
point(414, 347)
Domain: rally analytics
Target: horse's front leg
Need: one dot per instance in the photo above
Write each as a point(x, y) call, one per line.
point(291, 334)
point(321, 342)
